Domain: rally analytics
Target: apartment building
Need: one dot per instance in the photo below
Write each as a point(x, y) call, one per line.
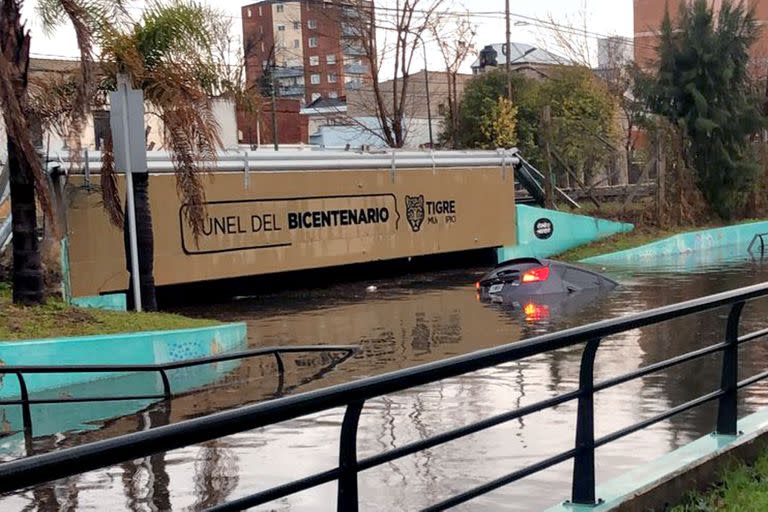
point(307, 49)
point(650, 13)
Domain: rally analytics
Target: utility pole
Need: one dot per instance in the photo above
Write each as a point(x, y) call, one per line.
point(509, 52)
point(546, 132)
point(274, 108)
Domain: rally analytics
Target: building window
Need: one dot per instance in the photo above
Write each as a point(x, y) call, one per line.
point(260, 14)
point(264, 64)
point(261, 29)
point(248, 13)
point(314, 79)
point(296, 25)
point(314, 60)
point(330, 59)
point(332, 78)
point(313, 42)
point(296, 43)
point(333, 95)
point(281, 28)
point(312, 24)
point(280, 7)
point(315, 96)
point(262, 47)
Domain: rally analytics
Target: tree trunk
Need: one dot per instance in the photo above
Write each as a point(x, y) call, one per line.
point(28, 285)
point(145, 242)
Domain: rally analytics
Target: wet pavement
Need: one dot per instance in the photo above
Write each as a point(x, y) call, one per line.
point(408, 321)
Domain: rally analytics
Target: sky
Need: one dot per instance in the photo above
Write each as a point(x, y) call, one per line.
point(601, 17)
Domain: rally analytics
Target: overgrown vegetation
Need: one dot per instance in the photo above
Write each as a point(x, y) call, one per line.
point(742, 488)
point(56, 319)
point(703, 88)
point(583, 112)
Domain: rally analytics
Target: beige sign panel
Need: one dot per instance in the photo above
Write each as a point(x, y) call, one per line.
point(281, 221)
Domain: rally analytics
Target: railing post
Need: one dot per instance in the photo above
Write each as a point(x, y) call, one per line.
point(166, 384)
point(347, 488)
point(727, 413)
point(26, 413)
point(583, 489)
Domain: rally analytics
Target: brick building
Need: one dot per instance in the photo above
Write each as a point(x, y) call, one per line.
point(311, 47)
point(650, 13)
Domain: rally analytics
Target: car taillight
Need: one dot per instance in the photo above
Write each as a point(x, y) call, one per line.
point(536, 275)
point(477, 285)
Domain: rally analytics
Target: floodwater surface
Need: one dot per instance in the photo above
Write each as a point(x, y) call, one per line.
point(408, 321)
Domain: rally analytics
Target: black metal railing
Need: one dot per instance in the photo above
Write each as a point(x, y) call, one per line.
point(25, 401)
point(757, 241)
point(352, 396)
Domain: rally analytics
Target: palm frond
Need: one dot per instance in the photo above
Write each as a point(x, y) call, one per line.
point(110, 197)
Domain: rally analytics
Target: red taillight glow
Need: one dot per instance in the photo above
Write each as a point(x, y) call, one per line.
point(536, 275)
point(535, 312)
point(477, 285)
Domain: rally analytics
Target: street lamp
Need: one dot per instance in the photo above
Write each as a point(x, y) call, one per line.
point(426, 85)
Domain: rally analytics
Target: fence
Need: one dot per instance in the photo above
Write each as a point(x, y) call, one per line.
point(352, 396)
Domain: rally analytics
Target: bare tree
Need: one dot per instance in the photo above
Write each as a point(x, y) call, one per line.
point(406, 23)
point(455, 36)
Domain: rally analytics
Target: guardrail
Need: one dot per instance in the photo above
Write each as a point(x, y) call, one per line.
point(353, 396)
point(247, 161)
point(162, 369)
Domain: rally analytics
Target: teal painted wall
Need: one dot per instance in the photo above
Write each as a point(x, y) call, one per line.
point(569, 231)
point(133, 348)
point(111, 301)
point(710, 240)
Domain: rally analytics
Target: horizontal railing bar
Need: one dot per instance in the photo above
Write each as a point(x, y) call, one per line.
point(445, 437)
point(753, 336)
point(278, 492)
point(175, 365)
point(658, 418)
point(40, 401)
point(662, 365)
point(501, 482)
point(36, 469)
point(752, 380)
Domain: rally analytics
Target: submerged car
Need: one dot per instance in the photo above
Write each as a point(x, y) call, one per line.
point(523, 279)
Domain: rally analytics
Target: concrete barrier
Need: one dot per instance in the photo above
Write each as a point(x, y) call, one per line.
point(133, 348)
point(542, 233)
point(695, 466)
point(710, 240)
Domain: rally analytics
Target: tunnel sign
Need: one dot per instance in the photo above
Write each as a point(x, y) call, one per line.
point(271, 223)
point(543, 228)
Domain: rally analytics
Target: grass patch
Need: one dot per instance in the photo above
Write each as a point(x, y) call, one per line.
point(742, 489)
point(56, 319)
point(641, 235)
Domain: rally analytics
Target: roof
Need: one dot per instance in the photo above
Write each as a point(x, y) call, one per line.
point(524, 54)
point(327, 103)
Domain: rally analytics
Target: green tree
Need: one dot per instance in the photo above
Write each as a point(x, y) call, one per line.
point(702, 86)
point(29, 183)
point(498, 123)
point(480, 96)
point(584, 118)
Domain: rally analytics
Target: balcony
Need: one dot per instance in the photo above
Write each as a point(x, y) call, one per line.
point(291, 91)
point(353, 85)
point(355, 69)
point(294, 72)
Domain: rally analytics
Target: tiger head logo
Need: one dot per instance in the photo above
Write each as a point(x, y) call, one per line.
point(414, 211)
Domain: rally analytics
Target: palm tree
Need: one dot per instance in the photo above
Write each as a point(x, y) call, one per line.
point(169, 54)
point(29, 183)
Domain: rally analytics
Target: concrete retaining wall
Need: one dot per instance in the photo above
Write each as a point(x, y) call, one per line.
point(567, 231)
point(134, 348)
point(686, 243)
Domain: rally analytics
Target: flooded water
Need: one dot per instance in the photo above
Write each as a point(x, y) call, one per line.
point(408, 321)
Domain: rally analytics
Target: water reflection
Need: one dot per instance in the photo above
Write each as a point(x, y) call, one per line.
point(407, 322)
